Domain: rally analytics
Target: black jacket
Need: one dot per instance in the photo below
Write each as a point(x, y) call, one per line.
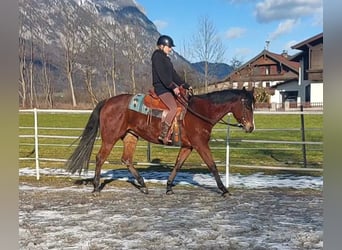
point(164, 77)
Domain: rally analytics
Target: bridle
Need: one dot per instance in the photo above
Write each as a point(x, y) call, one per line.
point(240, 125)
point(183, 100)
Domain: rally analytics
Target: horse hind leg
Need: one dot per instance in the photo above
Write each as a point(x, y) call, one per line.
point(101, 156)
point(130, 142)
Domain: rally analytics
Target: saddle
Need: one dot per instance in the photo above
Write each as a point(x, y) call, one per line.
point(152, 101)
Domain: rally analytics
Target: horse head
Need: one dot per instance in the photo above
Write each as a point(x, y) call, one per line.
point(244, 108)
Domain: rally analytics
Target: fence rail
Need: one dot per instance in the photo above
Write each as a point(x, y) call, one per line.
point(227, 147)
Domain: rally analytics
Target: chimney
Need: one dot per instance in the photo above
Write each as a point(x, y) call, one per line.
point(267, 45)
point(284, 53)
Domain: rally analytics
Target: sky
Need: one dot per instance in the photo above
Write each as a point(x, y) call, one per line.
point(243, 26)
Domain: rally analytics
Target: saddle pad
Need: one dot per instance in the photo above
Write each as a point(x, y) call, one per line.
point(137, 104)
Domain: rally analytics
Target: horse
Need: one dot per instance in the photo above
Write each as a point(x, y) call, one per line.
point(117, 121)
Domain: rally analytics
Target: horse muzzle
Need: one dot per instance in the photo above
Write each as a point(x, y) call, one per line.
point(248, 127)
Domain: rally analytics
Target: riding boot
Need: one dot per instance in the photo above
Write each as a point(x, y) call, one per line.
point(164, 133)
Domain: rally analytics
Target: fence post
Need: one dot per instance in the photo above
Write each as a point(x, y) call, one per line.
point(36, 142)
point(227, 153)
point(148, 153)
point(303, 134)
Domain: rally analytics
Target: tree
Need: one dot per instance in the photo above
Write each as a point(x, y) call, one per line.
point(185, 51)
point(26, 58)
point(72, 42)
point(109, 58)
point(46, 78)
point(207, 47)
point(261, 95)
point(132, 54)
point(90, 58)
point(22, 71)
point(235, 63)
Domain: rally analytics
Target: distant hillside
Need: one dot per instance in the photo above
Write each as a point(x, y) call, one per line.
point(217, 70)
point(105, 45)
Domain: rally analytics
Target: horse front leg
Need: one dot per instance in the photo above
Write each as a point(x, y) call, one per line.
point(207, 157)
point(182, 156)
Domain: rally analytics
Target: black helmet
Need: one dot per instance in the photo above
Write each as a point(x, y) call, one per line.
point(166, 41)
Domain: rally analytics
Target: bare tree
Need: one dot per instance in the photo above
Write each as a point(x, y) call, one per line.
point(112, 69)
point(185, 51)
point(132, 54)
point(71, 39)
point(109, 59)
point(26, 57)
point(22, 61)
point(90, 57)
point(31, 58)
point(46, 78)
point(208, 47)
point(235, 63)
point(22, 71)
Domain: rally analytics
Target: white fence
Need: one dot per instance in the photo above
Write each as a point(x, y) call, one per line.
point(227, 148)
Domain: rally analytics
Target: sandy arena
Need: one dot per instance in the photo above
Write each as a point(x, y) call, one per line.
point(70, 217)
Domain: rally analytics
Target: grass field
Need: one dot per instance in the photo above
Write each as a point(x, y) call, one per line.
point(269, 127)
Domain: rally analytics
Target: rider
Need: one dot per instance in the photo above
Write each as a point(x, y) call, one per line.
point(166, 82)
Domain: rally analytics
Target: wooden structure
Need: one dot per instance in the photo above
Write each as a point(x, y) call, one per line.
point(296, 79)
point(264, 70)
point(308, 88)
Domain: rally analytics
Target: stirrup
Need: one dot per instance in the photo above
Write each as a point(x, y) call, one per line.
point(165, 140)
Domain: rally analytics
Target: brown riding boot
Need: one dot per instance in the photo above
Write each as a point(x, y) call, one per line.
point(164, 133)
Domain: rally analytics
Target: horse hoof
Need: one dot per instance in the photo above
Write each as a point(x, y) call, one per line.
point(169, 192)
point(226, 194)
point(144, 190)
point(96, 193)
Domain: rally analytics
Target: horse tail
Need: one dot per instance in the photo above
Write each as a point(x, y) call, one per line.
point(79, 160)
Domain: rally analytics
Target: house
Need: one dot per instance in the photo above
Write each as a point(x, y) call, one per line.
point(308, 88)
point(288, 79)
point(266, 70)
point(310, 82)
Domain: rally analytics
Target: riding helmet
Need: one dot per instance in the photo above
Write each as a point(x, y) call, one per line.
point(166, 41)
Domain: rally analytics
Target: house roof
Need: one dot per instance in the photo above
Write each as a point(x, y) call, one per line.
point(296, 57)
point(284, 83)
point(310, 41)
point(293, 65)
point(286, 61)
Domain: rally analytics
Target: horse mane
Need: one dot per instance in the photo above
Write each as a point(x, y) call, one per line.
point(222, 96)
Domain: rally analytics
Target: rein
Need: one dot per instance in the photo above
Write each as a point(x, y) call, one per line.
point(184, 101)
point(239, 125)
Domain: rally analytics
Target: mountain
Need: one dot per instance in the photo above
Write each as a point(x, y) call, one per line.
point(98, 47)
point(218, 71)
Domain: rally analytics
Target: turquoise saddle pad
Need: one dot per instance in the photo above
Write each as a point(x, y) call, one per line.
point(137, 104)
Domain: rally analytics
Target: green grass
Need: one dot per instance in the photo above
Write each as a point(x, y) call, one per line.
point(286, 128)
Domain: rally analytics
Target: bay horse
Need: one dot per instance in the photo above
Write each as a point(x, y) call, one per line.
point(117, 122)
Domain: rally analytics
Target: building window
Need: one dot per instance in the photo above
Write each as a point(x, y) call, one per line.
point(267, 70)
point(256, 71)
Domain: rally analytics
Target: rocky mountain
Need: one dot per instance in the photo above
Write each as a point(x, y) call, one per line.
point(97, 47)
